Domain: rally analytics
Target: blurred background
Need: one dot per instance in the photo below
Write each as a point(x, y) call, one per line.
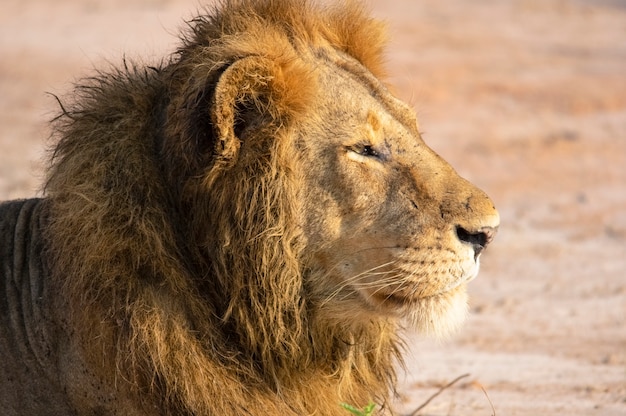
point(526, 98)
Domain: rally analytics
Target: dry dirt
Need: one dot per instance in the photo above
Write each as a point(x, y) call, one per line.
point(526, 98)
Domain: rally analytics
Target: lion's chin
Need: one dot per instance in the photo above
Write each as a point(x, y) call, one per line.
point(437, 316)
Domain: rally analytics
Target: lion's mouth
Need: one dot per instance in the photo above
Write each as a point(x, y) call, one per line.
point(391, 299)
point(400, 300)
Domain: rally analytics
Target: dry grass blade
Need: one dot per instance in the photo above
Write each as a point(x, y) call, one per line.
point(437, 393)
point(493, 409)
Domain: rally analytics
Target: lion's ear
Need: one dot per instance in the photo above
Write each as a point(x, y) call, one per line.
point(243, 96)
point(256, 92)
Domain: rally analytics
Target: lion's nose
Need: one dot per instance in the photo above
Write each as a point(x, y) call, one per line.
point(478, 239)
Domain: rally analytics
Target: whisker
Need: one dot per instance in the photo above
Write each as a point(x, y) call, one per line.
point(407, 276)
point(397, 280)
point(354, 280)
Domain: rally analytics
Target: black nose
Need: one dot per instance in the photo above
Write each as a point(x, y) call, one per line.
point(478, 239)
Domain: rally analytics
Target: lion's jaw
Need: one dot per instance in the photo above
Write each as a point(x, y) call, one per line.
point(394, 229)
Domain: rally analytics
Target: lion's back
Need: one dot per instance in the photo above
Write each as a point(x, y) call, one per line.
point(29, 382)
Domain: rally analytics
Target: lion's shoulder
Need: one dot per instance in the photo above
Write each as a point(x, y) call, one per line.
point(27, 340)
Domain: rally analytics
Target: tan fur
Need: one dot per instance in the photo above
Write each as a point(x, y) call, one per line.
point(219, 242)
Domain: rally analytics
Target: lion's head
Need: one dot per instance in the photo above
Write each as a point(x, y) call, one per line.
point(391, 229)
point(260, 210)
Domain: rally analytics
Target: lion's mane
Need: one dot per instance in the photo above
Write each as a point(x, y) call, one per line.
point(180, 271)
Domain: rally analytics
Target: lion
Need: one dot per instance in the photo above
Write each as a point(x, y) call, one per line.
point(243, 229)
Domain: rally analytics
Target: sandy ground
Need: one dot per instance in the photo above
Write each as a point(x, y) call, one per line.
point(526, 98)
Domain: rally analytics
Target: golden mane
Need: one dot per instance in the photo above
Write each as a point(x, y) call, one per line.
point(181, 270)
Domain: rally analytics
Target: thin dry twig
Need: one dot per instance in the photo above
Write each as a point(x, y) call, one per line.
point(437, 393)
point(493, 409)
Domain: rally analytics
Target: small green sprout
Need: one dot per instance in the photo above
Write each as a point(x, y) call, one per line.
point(367, 410)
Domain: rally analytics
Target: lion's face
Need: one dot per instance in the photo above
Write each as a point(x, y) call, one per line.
point(384, 226)
point(392, 227)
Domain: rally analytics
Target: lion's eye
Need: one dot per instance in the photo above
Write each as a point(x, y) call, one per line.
point(364, 152)
point(369, 151)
